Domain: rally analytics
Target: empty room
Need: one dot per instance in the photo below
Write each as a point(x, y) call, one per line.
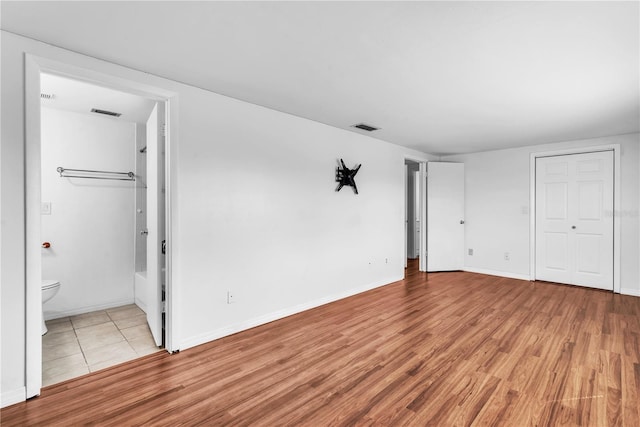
point(320, 213)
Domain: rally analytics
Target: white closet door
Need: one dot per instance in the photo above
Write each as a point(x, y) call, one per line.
point(574, 219)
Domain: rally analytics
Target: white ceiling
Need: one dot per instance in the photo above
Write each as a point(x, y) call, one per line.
point(440, 77)
point(82, 97)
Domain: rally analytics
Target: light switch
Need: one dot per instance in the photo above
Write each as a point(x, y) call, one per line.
point(45, 209)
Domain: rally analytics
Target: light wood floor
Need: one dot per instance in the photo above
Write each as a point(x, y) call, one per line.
point(444, 349)
point(89, 342)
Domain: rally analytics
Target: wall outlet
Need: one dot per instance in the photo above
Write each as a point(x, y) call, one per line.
point(386, 260)
point(470, 251)
point(507, 257)
point(231, 297)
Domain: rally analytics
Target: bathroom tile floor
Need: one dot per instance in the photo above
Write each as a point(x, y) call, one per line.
point(89, 342)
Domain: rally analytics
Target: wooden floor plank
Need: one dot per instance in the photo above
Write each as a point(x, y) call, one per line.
point(439, 349)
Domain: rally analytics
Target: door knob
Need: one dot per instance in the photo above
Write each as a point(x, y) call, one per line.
point(462, 221)
point(573, 227)
point(144, 232)
point(46, 245)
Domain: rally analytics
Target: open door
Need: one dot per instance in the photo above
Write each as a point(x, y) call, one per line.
point(415, 215)
point(421, 192)
point(445, 216)
point(155, 221)
point(406, 212)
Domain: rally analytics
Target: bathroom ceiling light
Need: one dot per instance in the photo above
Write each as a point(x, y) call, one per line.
point(105, 112)
point(363, 126)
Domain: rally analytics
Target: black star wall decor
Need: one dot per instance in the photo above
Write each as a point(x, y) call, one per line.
point(345, 176)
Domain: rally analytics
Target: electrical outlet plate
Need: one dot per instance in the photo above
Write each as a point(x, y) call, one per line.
point(230, 297)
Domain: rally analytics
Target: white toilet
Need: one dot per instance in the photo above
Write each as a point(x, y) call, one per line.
point(49, 289)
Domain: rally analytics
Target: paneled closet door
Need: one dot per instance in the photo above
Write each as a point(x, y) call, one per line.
point(574, 219)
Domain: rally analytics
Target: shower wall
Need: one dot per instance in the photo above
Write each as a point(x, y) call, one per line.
point(141, 198)
point(140, 281)
point(90, 223)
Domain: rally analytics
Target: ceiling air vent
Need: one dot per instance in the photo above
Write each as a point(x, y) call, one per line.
point(105, 112)
point(365, 127)
point(47, 96)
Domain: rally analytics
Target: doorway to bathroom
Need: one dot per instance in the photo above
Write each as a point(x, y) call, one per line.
point(95, 155)
point(97, 199)
point(96, 150)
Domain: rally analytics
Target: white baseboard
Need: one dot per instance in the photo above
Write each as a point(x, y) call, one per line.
point(624, 291)
point(12, 397)
point(87, 309)
point(498, 273)
point(629, 291)
point(280, 314)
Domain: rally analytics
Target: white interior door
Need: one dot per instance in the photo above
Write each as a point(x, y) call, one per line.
point(155, 220)
point(406, 213)
point(445, 216)
point(574, 219)
point(416, 215)
point(421, 191)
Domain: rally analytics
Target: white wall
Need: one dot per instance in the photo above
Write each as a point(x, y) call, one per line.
point(264, 220)
point(497, 208)
point(254, 210)
point(91, 226)
point(12, 268)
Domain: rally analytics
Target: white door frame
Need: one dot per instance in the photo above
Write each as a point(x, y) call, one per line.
point(423, 211)
point(34, 66)
point(616, 204)
point(406, 211)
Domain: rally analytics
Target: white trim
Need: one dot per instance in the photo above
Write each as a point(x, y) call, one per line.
point(616, 203)
point(34, 65)
point(172, 293)
point(89, 309)
point(419, 161)
point(33, 257)
point(631, 292)
point(497, 273)
point(12, 397)
point(280, 314)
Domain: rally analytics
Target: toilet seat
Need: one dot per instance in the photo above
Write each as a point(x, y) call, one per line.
point(48, 284)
